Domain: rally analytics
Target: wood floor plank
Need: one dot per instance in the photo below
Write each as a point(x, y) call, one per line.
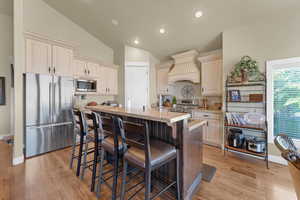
point(48, 177)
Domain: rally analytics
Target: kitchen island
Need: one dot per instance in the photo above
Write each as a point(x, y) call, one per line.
point(173, 128)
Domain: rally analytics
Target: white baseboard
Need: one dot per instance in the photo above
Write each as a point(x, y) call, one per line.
point(277, 159)
point(18, 160)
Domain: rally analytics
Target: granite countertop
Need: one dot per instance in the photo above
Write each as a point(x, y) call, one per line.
point(149, 114)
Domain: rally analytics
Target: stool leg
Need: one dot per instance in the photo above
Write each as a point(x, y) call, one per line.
point(124, 175)
point(95, 163)
point(79, 154)
point(73, 151)
point(98, 189)
point(115, 177)
point(86, 147)
point(178, 196)
point(147, 184)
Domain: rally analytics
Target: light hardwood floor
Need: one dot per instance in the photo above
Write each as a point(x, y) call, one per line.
point(48, 177)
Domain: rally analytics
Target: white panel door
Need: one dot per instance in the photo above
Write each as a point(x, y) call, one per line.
point(38, 57)
point(62, 61)
point(137, 86)
point(211, 77)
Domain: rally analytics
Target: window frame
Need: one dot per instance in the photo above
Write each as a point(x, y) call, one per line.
point(270, 66)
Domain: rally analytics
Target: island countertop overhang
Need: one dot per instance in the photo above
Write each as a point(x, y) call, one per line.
point(148, 114)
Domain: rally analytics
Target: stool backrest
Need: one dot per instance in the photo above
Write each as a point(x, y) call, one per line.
point(99, 123)
point(80, 121)
point(127, 130)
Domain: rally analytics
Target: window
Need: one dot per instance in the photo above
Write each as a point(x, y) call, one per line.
point(283, 92)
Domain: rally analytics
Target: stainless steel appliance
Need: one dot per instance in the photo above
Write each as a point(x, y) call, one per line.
point(48, 113)
point(256, 145)
point(86, 85)
point(186, 105)
point(236, 138)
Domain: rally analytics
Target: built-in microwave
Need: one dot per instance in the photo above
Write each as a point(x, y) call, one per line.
point(86, 85)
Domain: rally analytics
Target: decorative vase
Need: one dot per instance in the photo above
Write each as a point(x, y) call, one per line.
point(244, 76)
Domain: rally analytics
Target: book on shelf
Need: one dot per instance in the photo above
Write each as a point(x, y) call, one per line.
point(235, 119)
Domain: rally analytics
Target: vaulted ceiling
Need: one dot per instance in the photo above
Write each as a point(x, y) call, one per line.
point(142, 19)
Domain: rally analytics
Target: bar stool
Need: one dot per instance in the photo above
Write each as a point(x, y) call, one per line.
point(147, 156)
point(82, 128)
point(111, 145)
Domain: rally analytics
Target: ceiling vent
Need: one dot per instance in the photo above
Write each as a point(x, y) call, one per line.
point(185, 68)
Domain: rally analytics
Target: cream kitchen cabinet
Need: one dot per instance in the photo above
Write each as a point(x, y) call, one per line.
point(38, 57)
point(85, 69)
point(45, 58)
point(211, 78)
point(162, 81)
point(212, 131)
point(62, 59)
point(211, 74)
point(108, 81)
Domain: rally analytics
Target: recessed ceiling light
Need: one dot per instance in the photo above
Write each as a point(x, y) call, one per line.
point(162, 30)
point(115, 22)
point(136, 41)
point(198, 14)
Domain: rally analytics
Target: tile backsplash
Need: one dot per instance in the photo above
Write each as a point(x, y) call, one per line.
point(79, 101)
point(176, 90)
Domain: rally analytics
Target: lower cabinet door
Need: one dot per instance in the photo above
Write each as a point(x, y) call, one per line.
point(214, 132)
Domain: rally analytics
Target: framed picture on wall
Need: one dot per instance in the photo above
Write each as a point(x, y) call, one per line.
point(2, 90)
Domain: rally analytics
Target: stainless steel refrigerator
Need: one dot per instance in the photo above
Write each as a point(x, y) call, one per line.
point(48, 114)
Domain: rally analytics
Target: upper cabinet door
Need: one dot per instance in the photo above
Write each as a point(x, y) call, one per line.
point(79, 68)
point(62, 61)
point(211, 78)
point(102, 81)
point(162, 81)
point(38, 57)
point(93, 69)
point(113, 81)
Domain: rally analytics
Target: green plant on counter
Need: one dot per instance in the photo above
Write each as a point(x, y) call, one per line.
point(245, 66)
point(174, 100)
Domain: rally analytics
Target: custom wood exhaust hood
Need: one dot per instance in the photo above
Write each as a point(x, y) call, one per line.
point(185, 68)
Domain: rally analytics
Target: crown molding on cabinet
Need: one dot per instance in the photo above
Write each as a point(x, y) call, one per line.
point(43, 38)
point(211, 56)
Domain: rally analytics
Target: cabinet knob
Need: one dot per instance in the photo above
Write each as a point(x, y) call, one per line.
point(54, 70)
point(49, 69)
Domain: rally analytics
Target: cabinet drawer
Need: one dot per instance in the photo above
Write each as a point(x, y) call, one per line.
point(205, 115)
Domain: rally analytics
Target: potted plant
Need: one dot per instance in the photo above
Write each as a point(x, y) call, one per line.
point(174, 101)
point(244, 69)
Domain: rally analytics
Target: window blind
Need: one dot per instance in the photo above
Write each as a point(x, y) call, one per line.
point(287, 101)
